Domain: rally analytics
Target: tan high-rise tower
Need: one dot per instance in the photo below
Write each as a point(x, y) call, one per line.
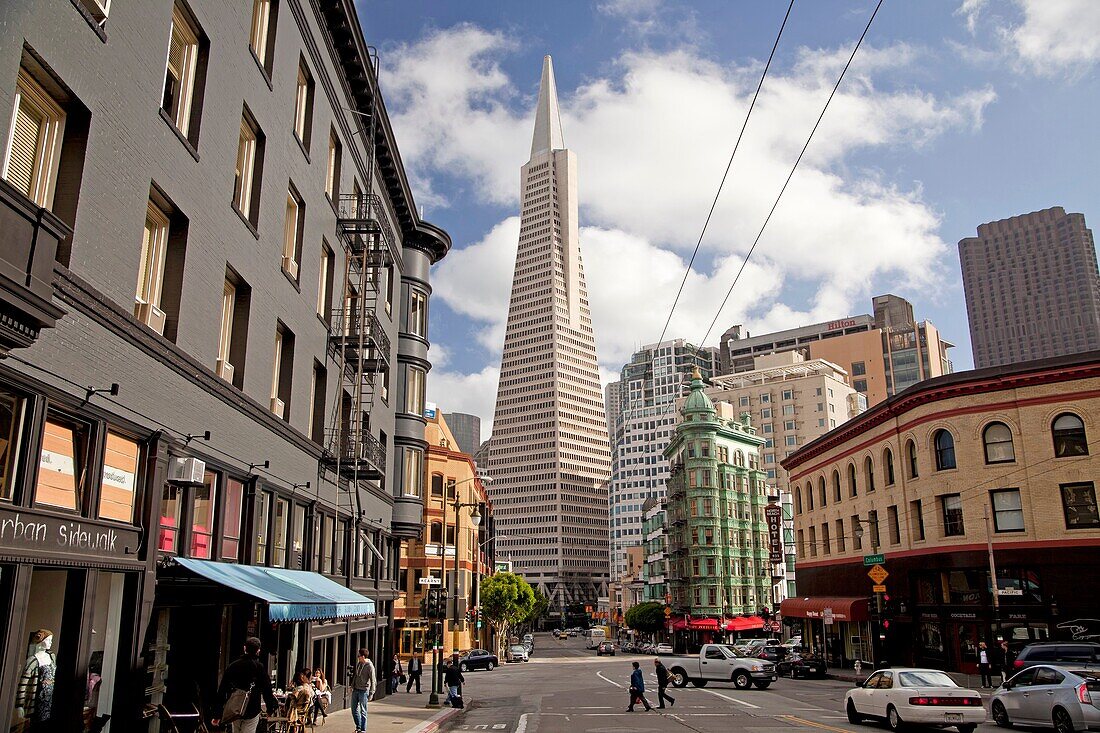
point(549, 457)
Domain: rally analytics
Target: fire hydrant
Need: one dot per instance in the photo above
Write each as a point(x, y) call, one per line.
point(859, 667)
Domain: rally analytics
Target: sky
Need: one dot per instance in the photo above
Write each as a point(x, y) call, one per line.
point(954, 113)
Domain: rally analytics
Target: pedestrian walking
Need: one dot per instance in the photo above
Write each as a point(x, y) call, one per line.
point(983, 665)
point(416, 668)
point(396, 673)
point(1007, 669)
point(637, 689)
point(362, 690)
point(662, 684)
point(997, 659)
point(247, 673)
point(453, 679)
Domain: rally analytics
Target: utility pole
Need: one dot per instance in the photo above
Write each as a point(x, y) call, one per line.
point(993, 575)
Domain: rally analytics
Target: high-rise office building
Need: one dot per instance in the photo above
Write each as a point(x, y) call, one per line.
point(549, 456)
point(641, 418)
point(1032, 288)
point(465, 429)
point(883, 354)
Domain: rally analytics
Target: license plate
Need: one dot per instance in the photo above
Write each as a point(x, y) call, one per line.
point(952, 717)
point(774, 678)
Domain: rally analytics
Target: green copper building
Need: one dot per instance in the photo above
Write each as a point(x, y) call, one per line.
point(717, 537)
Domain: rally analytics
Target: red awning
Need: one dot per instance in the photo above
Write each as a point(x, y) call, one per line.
point(742, 623)
point(843, 609)
point(703, 624)
point(679, 624)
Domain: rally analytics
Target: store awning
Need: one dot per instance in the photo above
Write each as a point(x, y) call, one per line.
point(291, 595)
point(842, 608)
point(702, 624)
point(745, 623)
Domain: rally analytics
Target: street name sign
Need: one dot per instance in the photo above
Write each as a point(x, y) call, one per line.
point(869, 560)
point(429, 580)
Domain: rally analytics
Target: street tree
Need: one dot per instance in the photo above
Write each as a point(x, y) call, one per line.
point(538, 608)
point(506, 600)
point(648, 617)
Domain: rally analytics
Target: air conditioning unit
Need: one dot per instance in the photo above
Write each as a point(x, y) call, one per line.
point(225, 370)
point(150, 315)
point(291, 266)
point(277, 406)
point(186, 470)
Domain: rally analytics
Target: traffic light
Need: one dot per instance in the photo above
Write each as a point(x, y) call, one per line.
point(424, 605)
point(442, 604)
point(432, 610)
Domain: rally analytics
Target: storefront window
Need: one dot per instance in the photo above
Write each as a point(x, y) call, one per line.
point(299, 533)
point(967, 586)
point(103, 654)
point(282, 517)
point(45, 635)
point(120, 469)
point(169, 517)
point(11, 418)
point(263, 515)
point(62, 464)
point(326, 543)
point(202, 519)
point(231, 521)
point(338, 548)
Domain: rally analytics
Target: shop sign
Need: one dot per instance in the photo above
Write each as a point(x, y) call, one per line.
point(827, 616)
point(30, 533)
point(773, 514)
point(963, 616)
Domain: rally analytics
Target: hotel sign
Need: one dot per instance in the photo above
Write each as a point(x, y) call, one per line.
point(773, 515)
point(29, 533)
point(844, 323)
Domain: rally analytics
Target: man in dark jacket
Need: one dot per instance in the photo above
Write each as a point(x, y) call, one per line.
point(637, 689)
point(662, 684)
point(246, 673)
point(453, 678)
point(416, 668)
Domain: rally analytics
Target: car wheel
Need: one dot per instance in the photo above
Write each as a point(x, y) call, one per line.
point(489, 666)
point(463, 668)
point(742, 681)
point(893, 719)
point(677, 677)
point(1000, 715)
point(853, 715)
point(1062, 722)
point(762, 685)
point(699, 683)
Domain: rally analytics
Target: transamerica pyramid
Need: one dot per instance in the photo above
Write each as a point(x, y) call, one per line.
point(549, 456)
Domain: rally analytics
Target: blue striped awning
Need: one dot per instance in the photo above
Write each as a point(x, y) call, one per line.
point(290, 595)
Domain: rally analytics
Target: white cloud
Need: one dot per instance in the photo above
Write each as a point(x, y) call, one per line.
point(652, 139)
point(471, 393)
point(1050, 38)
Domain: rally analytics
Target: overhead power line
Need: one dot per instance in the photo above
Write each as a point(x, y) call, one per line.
point(790, 175)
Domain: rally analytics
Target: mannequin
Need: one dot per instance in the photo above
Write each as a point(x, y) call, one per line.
point(34, 700)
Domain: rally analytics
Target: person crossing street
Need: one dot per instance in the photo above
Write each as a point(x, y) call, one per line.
point(637, 689)
point(662, 685)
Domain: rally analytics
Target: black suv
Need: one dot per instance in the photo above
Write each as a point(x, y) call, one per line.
point(1057, 652)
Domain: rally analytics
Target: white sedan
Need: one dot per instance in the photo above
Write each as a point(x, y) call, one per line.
point(925, 696)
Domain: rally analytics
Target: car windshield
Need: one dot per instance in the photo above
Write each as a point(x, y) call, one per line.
point(925, 678)
point(729, 651)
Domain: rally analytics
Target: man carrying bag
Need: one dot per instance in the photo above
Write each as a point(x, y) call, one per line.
point(244, 684)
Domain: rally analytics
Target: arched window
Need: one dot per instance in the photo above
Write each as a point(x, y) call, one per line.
point(436, 534)
point(797, 500)
point(852, 491)
point(888, 466)
point(911, 458)
point(945, 450)
point(997, 438)
point(869, 473)
point(836, 486)
point(809, 496)
point(1069, 436)
point(821, 496)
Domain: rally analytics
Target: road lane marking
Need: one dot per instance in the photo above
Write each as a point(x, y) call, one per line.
point(734, 699)
point(521, 727)
point(814, 724)
point(600, 675)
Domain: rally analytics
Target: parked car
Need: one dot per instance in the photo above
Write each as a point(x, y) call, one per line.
point(1058, 652)
point(647, 648)
point(572, 633)
point(477, 659)
point(1066, 698)
point(794, 642)
point(529, 647)
point(774, 654)
point(720, 663)
point(627, 646)
point(516, 653)
point(605, 647)
point(663, 648)
point(923, 696)
point(805, 664)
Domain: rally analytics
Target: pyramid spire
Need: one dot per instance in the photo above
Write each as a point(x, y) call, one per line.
point(548, 134)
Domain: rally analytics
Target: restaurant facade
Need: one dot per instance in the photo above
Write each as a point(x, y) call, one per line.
point(211, 374)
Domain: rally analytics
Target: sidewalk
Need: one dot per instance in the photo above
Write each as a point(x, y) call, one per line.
point(399, 713)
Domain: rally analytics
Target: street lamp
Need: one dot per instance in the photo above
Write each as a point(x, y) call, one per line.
point(858, 531)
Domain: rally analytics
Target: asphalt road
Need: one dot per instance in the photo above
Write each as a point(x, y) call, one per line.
point(568, 689)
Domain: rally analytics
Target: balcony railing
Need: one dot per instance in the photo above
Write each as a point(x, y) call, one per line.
point(362, 222)
point(358, 455)
point(349, 323)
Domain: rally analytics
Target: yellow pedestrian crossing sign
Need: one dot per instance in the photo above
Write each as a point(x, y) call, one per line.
point(878, 574)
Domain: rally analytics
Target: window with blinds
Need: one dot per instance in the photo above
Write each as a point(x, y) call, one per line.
point(34, 142)
point(179, 76)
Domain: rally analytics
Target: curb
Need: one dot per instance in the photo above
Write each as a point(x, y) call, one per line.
point(433, 723)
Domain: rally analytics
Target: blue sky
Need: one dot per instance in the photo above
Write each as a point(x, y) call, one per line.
point(954, 113)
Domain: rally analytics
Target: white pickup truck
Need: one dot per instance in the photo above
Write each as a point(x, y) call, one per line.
point(720, 663)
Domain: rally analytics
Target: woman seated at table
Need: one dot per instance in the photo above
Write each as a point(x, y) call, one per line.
point(299, 700)
point(322, 696)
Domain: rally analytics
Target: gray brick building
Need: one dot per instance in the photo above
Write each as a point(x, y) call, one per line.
point(204, 204)
point(1032, 288)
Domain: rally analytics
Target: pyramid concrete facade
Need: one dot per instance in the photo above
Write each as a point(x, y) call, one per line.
point(549, 457)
